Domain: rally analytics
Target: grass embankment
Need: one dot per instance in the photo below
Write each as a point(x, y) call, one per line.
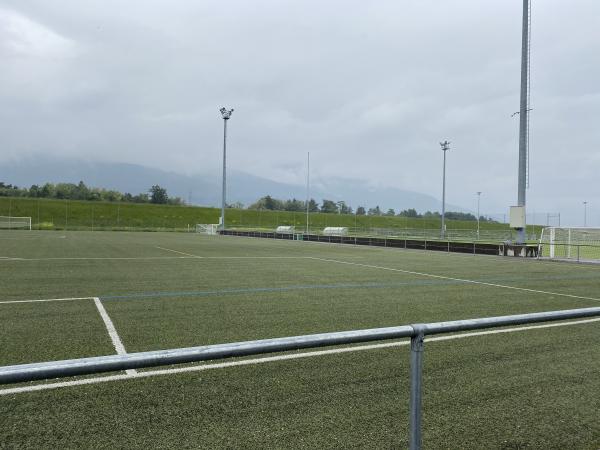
point(88, 215)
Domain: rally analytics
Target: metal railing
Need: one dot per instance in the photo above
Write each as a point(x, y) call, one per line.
point(416, 333)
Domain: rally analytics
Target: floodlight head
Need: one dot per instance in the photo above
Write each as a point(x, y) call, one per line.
point(445, 145)
point(226, 113)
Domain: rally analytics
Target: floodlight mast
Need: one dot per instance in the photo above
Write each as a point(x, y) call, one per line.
point(226, 114)
point(445, 147)
point(585, 214)
point(524, 115)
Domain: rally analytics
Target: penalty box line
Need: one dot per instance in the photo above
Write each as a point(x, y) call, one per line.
point(112, 332)
point(461, 280)
point(108, 323)
point(42, 300)
point(285, 357)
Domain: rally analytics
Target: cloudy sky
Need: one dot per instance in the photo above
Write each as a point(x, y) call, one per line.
point(369, 88)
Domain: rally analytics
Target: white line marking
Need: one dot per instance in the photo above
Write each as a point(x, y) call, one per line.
point(93, 258)
point(262, 360)
point(177, 251)
point(462, 280)
point(46, 300)
point(112, 331)
point(141, 258)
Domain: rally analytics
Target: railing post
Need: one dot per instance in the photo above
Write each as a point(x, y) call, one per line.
point(416, 381)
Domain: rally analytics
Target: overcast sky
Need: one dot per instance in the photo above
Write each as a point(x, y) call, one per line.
point(369, 88)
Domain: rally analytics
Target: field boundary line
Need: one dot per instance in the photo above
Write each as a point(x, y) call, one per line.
point(286, 357)
point(463, 280)
point(112, 332)
point(100, 258)
point(68, 299)
point(177, 251)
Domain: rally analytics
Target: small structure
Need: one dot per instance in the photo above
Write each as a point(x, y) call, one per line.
point(284, 229)
point(335, 231)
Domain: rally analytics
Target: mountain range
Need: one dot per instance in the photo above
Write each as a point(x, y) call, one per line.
point(205, 189)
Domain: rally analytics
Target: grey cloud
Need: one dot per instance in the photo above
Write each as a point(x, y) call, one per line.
point(368, 87)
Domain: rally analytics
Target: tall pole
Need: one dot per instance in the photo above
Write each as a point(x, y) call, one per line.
point(445, 147)
point(523, 115)
point(307, 187)
point(478, 200)
point(226, 114)
point(585, 214)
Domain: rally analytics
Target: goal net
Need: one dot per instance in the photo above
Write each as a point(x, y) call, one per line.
point(10, 222)
point(570, 243)
point(207, 228)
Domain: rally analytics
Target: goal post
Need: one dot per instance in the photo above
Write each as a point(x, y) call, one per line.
point(16, 223)
point(207, 228)
point(570, 244)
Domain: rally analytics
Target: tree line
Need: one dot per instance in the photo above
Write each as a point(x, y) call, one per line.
point(341, 207)
point(159, 195)
point(72, 191)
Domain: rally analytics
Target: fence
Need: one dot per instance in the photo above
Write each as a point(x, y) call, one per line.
point(416, 333)
point(474, 248)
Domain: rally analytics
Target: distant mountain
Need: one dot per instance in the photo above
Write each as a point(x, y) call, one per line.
point(205, 189)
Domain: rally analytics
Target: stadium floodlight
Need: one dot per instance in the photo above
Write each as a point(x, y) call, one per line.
point(226, 114)
point(585, 214)
point(523, 180)
point(445, 147)
point(478, 200)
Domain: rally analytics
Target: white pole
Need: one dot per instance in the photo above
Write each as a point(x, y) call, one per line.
point(585, 214)
point(307, 187)
point(445, 147)
point(478, 199)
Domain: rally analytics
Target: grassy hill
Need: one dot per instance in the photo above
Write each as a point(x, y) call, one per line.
point(88, 215)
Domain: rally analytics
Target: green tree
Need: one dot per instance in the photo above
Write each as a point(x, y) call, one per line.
point(411, 212)
point(313, 206)
point(329, 206)
point(158, 195)
point(375, 211)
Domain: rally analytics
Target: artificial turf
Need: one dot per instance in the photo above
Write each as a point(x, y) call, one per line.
point(527, 389)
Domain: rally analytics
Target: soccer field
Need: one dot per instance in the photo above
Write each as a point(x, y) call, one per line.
point(67, 295)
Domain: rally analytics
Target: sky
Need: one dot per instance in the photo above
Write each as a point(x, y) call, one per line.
point(368, 88)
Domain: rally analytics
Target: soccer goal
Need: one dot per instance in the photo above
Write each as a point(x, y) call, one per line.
point(10, 222)
point(570, 244)
point(207, 228)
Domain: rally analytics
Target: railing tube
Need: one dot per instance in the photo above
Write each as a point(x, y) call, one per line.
point(416, 383)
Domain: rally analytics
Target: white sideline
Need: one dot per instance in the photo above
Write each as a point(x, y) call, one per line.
point(93, 258)
point(68, 299)
point(462, 280)
point(112, 332)
point(117, 258)
point(177, 251)
point(245, 362)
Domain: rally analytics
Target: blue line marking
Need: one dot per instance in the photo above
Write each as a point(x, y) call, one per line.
point(374, 285)
point(274, 289)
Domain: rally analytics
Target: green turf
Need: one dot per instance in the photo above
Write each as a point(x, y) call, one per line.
point(529, 389)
